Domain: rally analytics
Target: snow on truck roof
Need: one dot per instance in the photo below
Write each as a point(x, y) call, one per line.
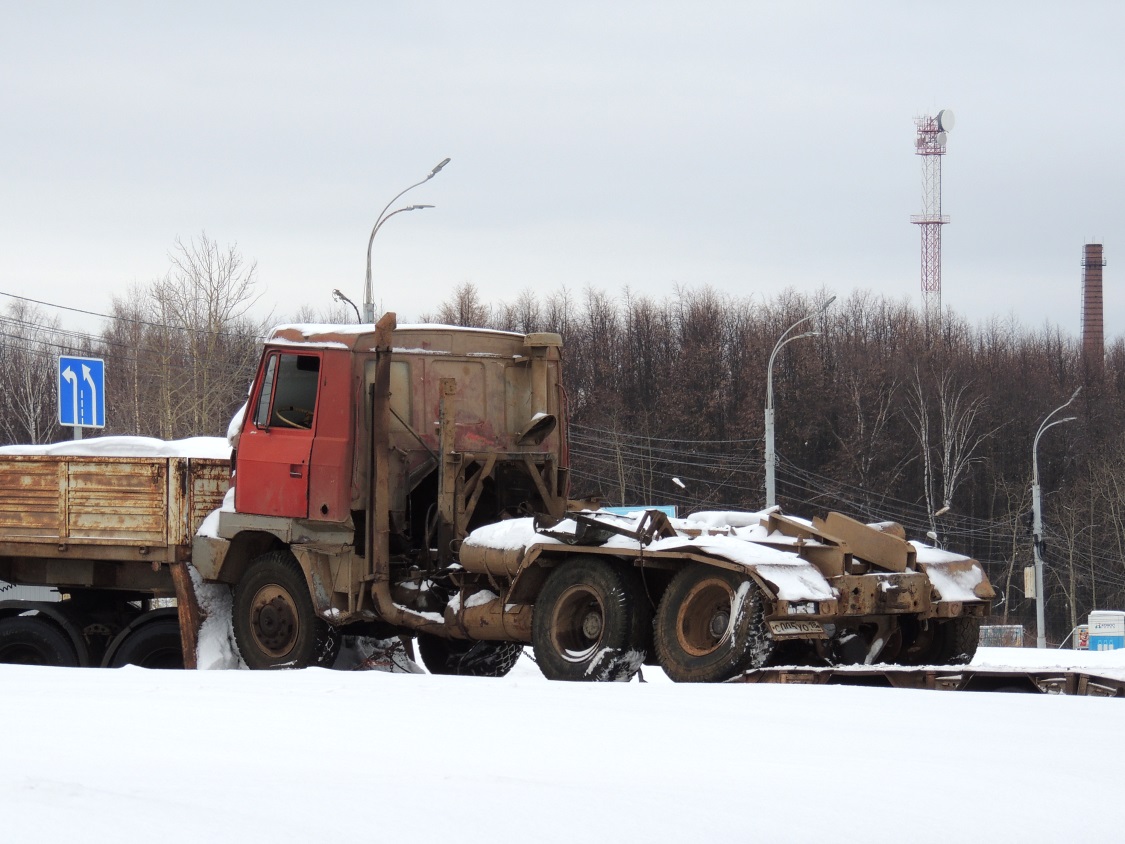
point(424, 336)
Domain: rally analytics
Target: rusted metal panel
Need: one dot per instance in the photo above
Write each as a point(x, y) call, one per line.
point(29, 496)
point(208, 482)
point(861, 595)
point(120, 500)
point(96, 507)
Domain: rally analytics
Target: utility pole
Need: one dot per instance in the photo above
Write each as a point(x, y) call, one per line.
point(1037, 522)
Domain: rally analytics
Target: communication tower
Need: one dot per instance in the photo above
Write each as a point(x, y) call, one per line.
point(933, 132)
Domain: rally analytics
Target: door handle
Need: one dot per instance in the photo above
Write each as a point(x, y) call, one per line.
point(296, 470)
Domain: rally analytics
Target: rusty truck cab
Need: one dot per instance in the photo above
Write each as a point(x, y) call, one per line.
point(302, 451)
point(366, 453)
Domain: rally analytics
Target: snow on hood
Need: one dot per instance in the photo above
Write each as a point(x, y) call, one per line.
point(952, 583)
point(930, 554)
point(955, 585)
point(213, 448)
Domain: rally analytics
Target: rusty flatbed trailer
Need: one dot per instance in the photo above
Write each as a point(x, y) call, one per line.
point(110, 533)
point(1058, 681)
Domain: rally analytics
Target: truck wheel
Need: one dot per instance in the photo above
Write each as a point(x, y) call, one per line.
point(467, 658)
point(710, 626)
point(275, 624)
point(153, 645)
point(955, 641)
point(33, 640)
point(591, 621)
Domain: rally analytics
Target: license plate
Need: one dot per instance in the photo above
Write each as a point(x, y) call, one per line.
point(797, 628)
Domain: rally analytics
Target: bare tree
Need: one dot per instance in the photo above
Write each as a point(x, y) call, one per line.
point(463, 308)
point(950, 447)
point(31, 342)
point(187, 343)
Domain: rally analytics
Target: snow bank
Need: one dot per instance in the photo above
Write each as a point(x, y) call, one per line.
point(184, 756)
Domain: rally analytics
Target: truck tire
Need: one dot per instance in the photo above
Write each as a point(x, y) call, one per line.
point(952, 642)
point(467, 658)
point(275, 624)
point(955, 641)
point(710, 626)
point(33, 640)
point(592, 621)
point(153, 645)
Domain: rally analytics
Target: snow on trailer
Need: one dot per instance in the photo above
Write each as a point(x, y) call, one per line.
point(730, 591)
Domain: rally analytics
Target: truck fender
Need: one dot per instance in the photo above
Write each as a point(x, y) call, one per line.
point(317, 567)
point(63, 618)
point(225, 560)
point(208, 553)
point(139, 621)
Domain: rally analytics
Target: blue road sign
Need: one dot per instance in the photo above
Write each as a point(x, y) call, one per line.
point(82, 392)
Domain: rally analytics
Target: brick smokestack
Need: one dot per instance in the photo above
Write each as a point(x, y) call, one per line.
point(1093, 333)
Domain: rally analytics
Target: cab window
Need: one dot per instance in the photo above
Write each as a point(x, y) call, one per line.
point(288, 396)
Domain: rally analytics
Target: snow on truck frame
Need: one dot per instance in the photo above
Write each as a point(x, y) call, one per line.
point(384, 483)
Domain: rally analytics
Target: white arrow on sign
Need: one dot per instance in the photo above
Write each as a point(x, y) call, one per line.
point(69, 375)
point(93, 395)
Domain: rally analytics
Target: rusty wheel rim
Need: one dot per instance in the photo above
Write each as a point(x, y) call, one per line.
point(577, 623)
point(703, 619)
point(274, 621)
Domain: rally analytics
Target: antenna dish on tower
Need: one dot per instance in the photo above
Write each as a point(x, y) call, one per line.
point(945, 120)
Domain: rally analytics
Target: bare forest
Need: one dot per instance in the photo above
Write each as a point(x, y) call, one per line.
point(876, 416)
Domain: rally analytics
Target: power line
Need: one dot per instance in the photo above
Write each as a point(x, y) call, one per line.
point(119, 318)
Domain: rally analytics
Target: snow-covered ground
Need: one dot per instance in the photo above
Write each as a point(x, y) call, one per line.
point(133, 754)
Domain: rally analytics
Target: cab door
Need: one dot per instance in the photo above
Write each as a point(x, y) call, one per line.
point(272, 463)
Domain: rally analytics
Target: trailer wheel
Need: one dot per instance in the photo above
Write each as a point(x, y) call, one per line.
point(153, 645)
point(710, 626)
point(275, 624)
point(33, 640)
point(955, 641)
point(591, 621)
point(467, 658)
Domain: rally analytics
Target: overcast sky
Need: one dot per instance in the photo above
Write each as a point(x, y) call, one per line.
point(747, 146)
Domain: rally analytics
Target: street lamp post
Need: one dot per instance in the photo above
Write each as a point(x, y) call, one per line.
point(771, 489)
point(1037, 524)
point(368, 294)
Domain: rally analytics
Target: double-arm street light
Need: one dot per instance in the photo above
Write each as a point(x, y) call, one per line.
point(368, 293)
point(787, 337)
point(1037, 525)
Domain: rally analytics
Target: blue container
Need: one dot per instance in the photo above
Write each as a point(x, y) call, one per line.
point(1107, 630)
